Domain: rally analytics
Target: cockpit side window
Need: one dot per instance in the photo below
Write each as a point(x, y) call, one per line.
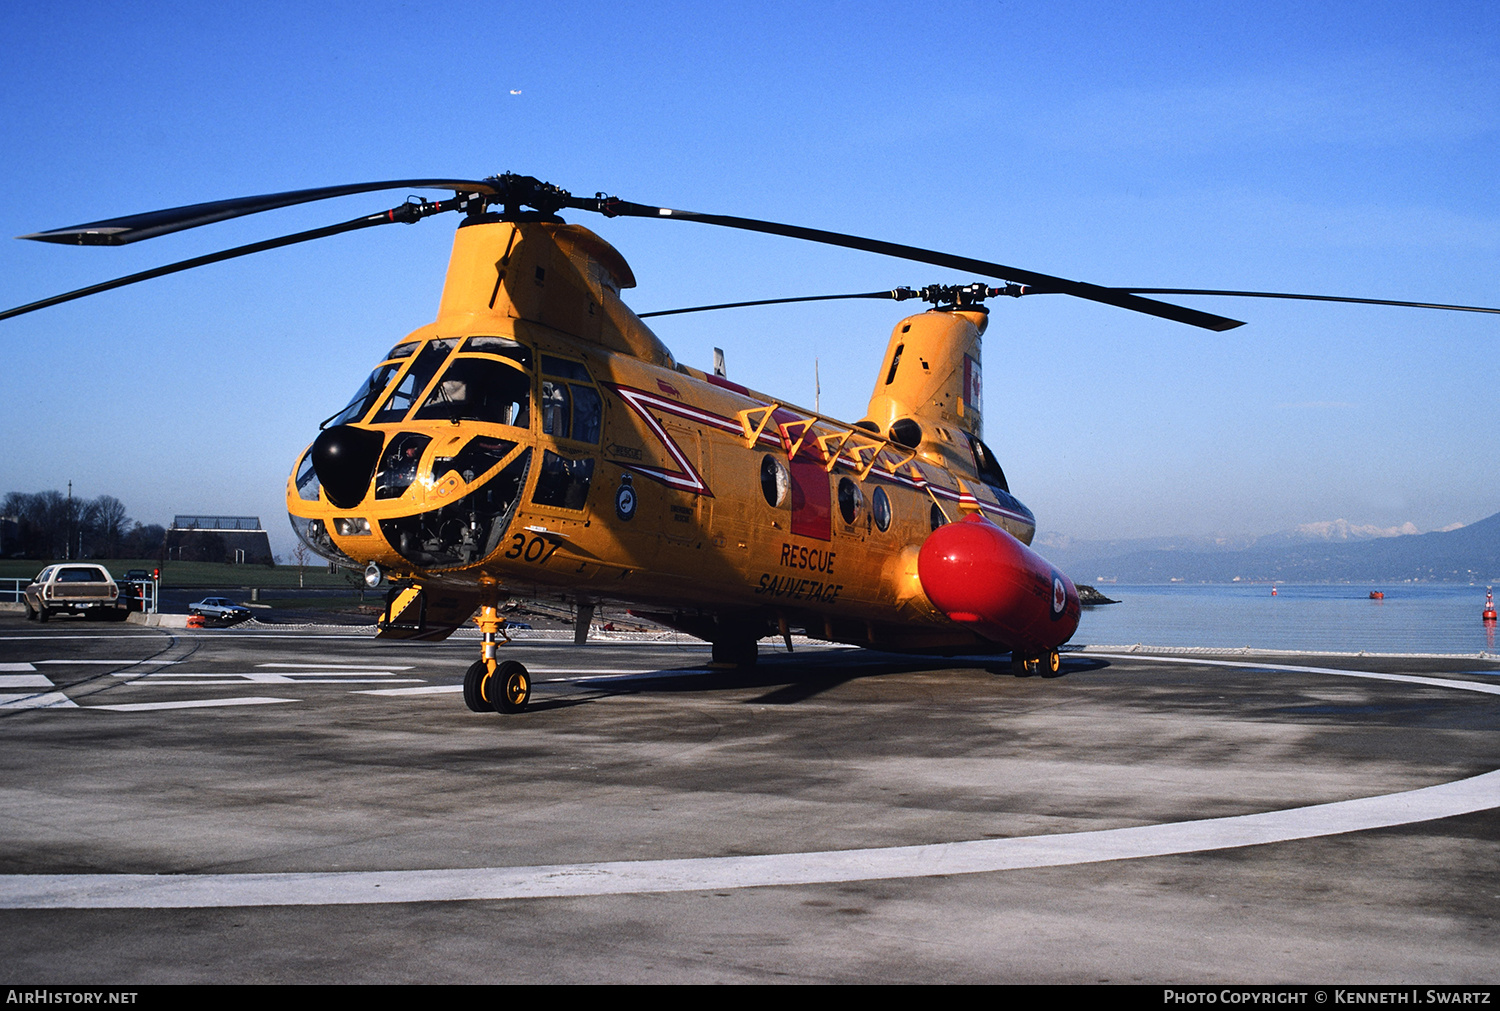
point(570, 410)
point(418, 375)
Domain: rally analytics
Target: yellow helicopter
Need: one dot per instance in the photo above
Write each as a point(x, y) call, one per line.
point(538, 439)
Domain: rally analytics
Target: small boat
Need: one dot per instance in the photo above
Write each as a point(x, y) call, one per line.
point(1377, 594)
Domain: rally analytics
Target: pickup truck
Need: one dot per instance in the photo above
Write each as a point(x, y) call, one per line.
point(74, 589)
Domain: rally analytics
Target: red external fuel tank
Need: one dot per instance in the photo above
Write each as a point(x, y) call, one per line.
point(977, 574)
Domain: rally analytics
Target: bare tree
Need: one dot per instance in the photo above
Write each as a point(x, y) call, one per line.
point(300, 555)
point(106, 521)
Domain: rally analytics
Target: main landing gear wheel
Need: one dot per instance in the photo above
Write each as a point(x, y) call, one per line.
point(1048, 663)
point(476, 683)
point(510, 687)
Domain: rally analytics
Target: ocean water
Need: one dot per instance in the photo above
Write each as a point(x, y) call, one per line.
point(1413, 618)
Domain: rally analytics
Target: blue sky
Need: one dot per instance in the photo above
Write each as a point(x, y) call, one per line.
point(1345, 148)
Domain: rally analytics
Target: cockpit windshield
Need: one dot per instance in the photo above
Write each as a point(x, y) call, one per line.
point(366, 396)
point(480, 389)
point(423, 368)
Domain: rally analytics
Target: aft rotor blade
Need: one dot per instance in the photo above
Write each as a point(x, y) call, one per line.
point(404, 213)
point(1043, 282)
point(894, 293)
point(135, 227)
point(1307, 298)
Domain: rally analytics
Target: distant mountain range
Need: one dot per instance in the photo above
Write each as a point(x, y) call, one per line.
point(1330, 552)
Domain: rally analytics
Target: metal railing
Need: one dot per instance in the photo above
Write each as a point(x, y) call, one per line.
point(141, 592)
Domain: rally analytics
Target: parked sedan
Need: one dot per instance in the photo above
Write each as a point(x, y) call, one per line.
point(221, 608)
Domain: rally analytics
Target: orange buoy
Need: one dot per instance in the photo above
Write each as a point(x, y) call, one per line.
point(1273, 591)
point(1489, 604)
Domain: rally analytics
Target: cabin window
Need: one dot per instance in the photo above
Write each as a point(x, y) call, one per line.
point(880, 508)
point(851, 499)
point(402, 351)
point(986, 466)
point(775, 482)
point(937, 517)
point(562, 482)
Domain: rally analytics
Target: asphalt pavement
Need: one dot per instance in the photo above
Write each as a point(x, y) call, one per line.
point(310, 805)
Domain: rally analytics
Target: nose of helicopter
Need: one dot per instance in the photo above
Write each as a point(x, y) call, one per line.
point(344, 458)
point(977, 574)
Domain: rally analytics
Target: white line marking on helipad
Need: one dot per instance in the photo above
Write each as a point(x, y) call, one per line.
point(25, 681)
point(111, 663)
point(46, 700)
point(141, 707)
point(615, 675)
point(334, 666)
point(16, 667)
point(425, 690)
point(176, 891)
point(242, 680)
point(1431, 682)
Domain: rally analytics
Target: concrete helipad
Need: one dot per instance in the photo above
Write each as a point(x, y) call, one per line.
point(313, 806)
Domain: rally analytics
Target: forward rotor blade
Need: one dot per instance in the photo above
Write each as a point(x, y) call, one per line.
point(1093, 292)
point(1307, 298)
point(404, 212)
point(135, 227)
point(895, 293)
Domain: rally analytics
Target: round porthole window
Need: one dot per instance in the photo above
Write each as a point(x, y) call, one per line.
point(775, 482)
point(880, 508)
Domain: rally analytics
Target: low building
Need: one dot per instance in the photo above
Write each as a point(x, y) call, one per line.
point(236, 539)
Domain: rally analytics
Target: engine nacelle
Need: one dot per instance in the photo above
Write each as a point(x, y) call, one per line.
point(977, 574)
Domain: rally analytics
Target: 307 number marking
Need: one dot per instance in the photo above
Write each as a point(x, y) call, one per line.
point(532, 549)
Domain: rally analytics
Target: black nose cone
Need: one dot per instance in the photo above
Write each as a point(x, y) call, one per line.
point(344, 458)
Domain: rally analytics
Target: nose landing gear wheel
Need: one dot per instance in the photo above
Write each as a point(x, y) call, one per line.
point(510, 687)
point(1053, 660)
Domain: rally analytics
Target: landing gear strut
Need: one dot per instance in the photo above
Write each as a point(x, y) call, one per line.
point(490, 686)
point(1049, 662)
